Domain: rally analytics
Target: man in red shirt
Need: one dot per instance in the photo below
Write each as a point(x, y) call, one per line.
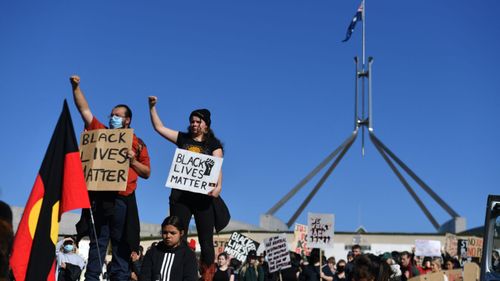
point(115, 213)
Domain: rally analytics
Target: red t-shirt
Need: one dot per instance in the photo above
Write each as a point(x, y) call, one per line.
point(141, 152)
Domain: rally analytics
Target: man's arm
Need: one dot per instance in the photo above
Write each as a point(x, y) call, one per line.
point(80, 101)
point(141, 169)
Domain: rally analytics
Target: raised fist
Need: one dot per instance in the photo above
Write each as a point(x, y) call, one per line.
point(75, 81)
point(152, 100)
point(209, 164)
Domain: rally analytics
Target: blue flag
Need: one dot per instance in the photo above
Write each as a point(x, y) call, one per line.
point(357, 17)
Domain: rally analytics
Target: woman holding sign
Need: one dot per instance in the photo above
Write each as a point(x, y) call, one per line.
point(200, 139)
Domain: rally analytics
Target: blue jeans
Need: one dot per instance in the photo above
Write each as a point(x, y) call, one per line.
point(109, 228)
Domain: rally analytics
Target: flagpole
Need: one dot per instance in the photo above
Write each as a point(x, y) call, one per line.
point(96, 239)
point(363, 19)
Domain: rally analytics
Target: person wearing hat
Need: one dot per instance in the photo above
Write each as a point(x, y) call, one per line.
point(200, 139)
point(69, 263)
point(251, 269)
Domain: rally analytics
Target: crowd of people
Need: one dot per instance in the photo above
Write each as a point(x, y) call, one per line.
point(113, 219)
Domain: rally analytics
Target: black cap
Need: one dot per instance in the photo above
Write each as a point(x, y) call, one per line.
point(252, 254)
point(203, 113)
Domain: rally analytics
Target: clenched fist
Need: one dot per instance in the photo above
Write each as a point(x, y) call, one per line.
point(75, 81)
point(152, 101)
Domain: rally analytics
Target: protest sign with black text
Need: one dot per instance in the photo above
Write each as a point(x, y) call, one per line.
point(277, 253)
point(320, 230)
point(193, 171)
point(239, 245)
point(104, 158)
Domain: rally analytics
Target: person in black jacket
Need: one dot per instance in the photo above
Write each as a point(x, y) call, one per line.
point(171, 259)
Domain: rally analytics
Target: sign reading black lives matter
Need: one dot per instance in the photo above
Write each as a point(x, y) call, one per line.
point(320, 234)
point(104, 158)
point(193, 171)
point(239, 245)
point(277, 253)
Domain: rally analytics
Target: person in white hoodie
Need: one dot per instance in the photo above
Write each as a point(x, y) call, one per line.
point(69, 263)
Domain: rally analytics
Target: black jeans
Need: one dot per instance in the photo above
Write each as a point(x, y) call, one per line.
point(184, 204)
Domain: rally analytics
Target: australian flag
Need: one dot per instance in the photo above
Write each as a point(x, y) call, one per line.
point(357, 17)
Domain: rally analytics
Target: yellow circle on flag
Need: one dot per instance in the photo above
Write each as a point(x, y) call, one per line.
point(35, 215)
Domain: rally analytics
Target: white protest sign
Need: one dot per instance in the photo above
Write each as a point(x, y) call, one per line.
point(104, 158)
point(277, 253)
point(320, 230)
point(428, 248)
point(193, 171)
point(239, 245)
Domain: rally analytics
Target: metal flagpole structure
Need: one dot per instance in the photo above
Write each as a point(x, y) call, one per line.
point(363, 119)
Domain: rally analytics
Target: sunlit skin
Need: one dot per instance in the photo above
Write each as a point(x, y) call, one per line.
point(222, 261)
point(171, 236)
point(356, 252)
point(435, 267)
point(405, 260)
point(197, 127)
point(120, 112)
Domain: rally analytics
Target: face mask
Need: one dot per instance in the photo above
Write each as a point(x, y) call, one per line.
point(115, 122)
point(68, 248)
point(340, 269)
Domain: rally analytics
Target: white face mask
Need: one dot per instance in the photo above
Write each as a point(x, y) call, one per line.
point(115, 122)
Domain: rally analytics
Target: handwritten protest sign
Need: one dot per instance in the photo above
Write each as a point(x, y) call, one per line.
point(300, 241)
point(219, 245)
point(277, 253)
point(320, 234)
point(451, 244)
point(239, 245)
point(193, 171)
point(430, 248)
point(462, 247)
point(104, 158)
point(474, 247)
point(470, 247)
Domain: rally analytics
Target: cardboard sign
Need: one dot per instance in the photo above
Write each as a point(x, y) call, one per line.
point(462, 247)
point(299, 245)
point(104, 158)
point(475, 247)
point(451, 244)
point(471, 247)
point(428, 248)
point(277, 253)
point(219, 245)
point(320, 234)
point(193, 171)
point(239, 245)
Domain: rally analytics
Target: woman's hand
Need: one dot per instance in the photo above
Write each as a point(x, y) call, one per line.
point(152, 101)
point(215, 192)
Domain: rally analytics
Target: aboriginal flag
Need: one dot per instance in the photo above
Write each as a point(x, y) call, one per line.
point(59, 187)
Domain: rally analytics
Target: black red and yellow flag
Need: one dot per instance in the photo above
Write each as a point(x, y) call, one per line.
point(59, 187)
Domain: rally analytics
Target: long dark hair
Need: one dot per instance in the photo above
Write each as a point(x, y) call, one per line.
point(371, 267)
point(208, 136)
point(174, 221)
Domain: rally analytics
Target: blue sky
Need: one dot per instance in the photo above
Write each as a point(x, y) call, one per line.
point(279, 83)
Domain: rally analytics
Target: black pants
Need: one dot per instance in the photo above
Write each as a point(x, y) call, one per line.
point(184, 204)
